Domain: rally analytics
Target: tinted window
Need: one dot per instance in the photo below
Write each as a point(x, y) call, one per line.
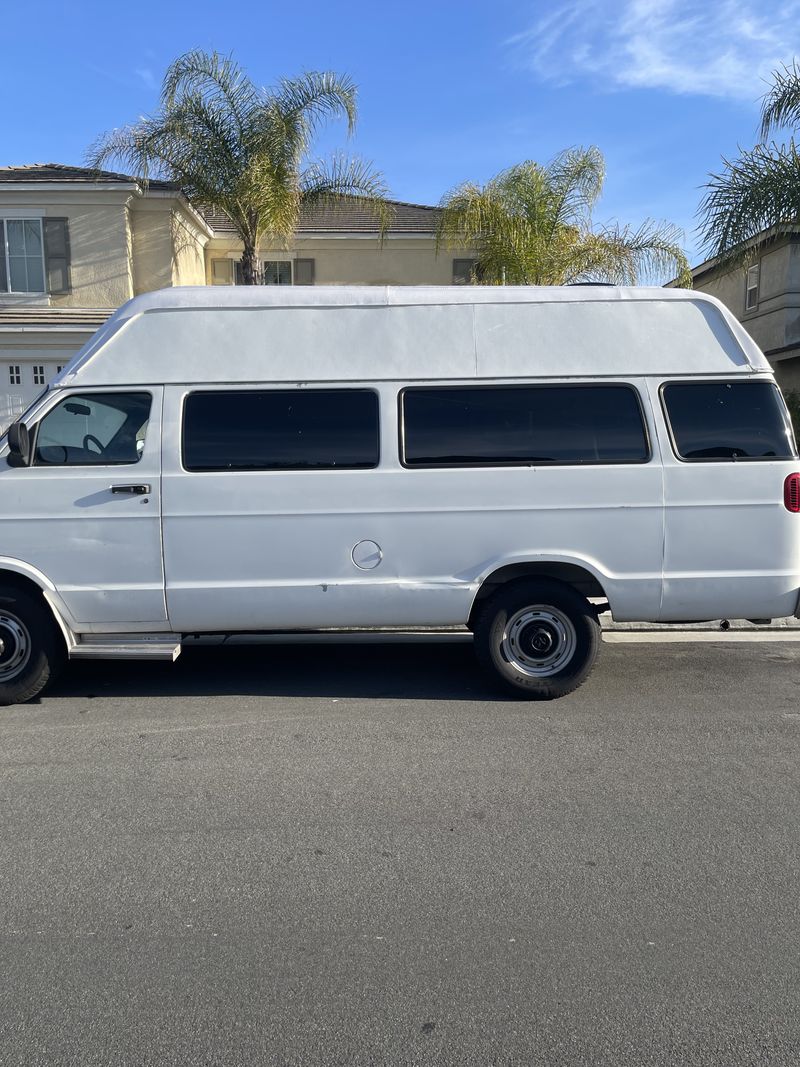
point(728, 420)
point(93, 429)
point(282, 429)
point(523, 424)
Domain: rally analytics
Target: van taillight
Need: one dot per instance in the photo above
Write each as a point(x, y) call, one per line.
point(791, 492)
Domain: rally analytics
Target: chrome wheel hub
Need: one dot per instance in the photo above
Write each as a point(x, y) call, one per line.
point(15, 646)
point(539, 641)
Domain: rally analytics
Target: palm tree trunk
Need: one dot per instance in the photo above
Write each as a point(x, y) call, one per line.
point(249, 265)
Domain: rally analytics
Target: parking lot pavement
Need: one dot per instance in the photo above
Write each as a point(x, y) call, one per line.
point(361, 855)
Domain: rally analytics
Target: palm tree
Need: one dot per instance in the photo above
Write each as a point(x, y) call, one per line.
point(760, 189)
point(234, 147)
point(532, 225)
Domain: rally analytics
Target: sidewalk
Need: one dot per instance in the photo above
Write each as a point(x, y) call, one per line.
point(728, 630)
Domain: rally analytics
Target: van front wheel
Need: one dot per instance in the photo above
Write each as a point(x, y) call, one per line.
point(31, 646)
point(538, 639)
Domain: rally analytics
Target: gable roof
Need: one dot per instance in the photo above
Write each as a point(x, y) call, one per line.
point(352, 215)
point(60, 172)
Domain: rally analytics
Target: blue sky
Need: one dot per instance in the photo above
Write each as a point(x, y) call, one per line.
point(448, 91)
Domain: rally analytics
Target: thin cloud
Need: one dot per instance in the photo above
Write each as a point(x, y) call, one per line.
point(675, 45)
point(146, 76)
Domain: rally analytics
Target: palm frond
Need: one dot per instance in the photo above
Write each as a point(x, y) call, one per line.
point(576, 178)
point(317, 96)
point(781, 105)
point(531, 225)
point(212, 76)
point(755, 192)
point(242, 150)
point(336, 181)
point(626, 255)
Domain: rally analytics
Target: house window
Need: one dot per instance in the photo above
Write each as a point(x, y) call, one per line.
point(14, 374)
point(277, 272)
point(59, 368)
point(751, 293)
point(38, 374)
point(22, 259)
point(465, 271)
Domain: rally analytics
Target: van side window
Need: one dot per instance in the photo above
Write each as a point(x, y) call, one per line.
point(93, 429)
point(521, 424)
point(281, 429)
point(728, 420)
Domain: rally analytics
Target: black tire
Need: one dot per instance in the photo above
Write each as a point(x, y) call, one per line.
point(33, 649)
point(538, 639)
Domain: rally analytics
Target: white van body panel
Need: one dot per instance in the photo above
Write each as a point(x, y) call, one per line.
point(274, 333)
point(273, 549)
point(289, 536)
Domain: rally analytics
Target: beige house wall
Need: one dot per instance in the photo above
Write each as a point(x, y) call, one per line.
point(189, 259)
point(774, 324)
point(354, 260)
point(168, 245)
point(152, 246)
point(99, 238)
point(775, 321)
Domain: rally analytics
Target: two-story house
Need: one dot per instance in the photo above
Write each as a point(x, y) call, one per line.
point(76, 243)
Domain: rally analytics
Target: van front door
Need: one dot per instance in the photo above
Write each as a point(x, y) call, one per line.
point(87, 512)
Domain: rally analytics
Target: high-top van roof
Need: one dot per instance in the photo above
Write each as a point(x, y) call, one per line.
point(245, 334)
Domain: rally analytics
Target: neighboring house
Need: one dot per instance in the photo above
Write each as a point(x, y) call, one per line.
point(763, 292)
point(342, 245)
point(76, 243)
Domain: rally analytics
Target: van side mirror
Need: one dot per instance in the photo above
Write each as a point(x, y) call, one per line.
point(19, 445)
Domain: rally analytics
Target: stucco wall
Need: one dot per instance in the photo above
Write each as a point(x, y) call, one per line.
point(787, 374)
point(775, 322)
point(98, 236)
point(357, 261)
point(188, 242)
point(152, 247)
point(168, 245)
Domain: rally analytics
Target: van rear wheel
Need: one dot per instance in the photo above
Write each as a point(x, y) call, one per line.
point(538, 639)
point(31, 646)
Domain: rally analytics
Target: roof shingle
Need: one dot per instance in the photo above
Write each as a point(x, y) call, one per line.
point(350, 216)
point(60, 172)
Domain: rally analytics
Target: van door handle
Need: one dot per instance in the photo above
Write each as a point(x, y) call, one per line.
point(133, 490)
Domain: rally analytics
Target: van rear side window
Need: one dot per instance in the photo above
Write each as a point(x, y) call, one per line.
point(522, 424)
point(728, 420)
point(281, 429)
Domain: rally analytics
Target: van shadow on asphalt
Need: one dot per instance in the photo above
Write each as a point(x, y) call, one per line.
point(440, 671)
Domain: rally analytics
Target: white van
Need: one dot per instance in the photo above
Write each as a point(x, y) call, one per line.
point(514, 460)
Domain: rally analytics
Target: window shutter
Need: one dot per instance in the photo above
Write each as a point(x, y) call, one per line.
point(221, 272)
point(3, 276)
point(304, 272)
point(56, 255)
point(238, 273)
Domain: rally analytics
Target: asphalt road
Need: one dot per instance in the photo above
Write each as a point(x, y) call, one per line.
point(345, 855)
